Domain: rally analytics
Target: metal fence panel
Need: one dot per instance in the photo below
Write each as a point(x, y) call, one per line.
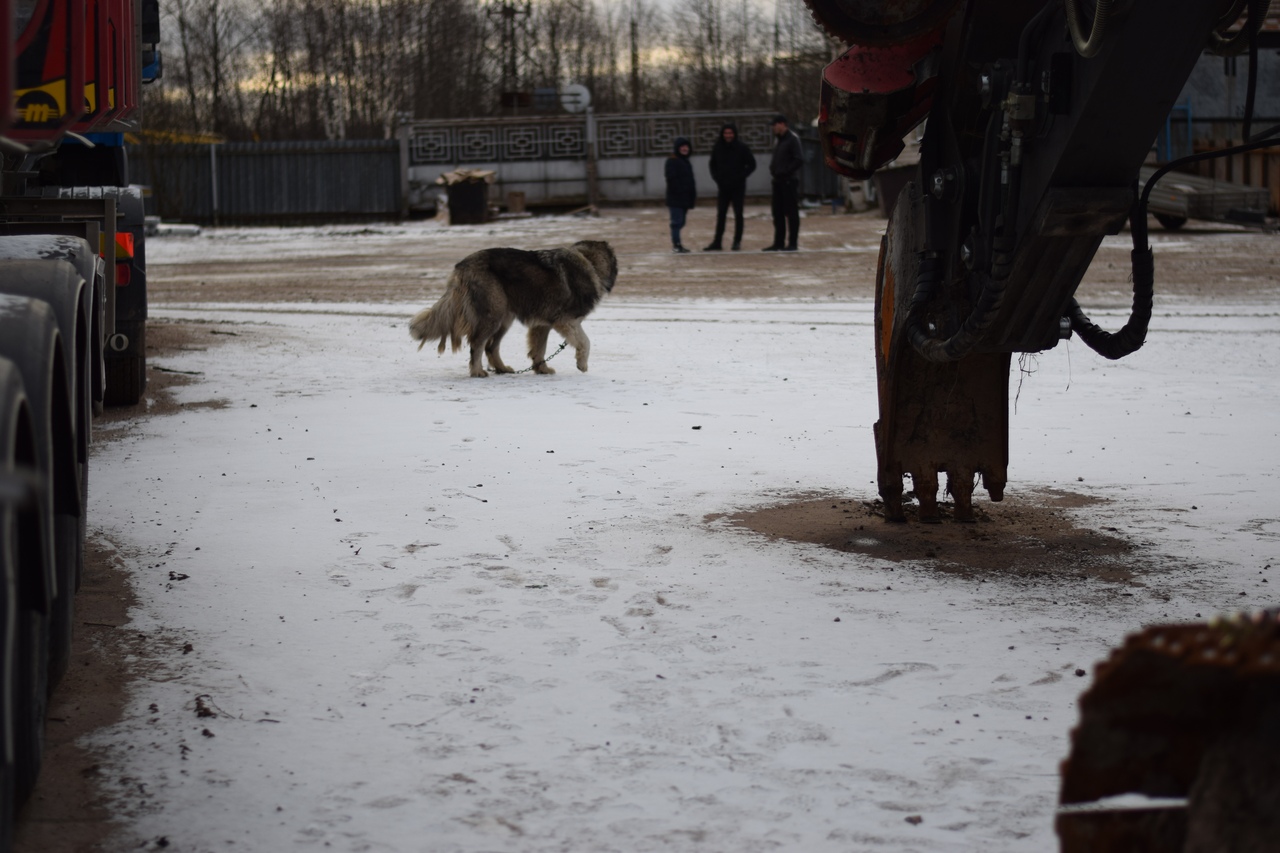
point(273, 181)
point(544, 157)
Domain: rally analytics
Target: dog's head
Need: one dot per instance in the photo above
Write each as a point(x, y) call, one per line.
point(600, 255)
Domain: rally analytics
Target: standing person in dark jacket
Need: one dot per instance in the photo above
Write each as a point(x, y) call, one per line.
point(681, 191)
point(731, 163)
point(785, 167)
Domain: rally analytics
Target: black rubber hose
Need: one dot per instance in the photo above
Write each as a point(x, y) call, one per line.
point(1029, 33)
point(990, 161)
point(1251, 90)
point(1088, 47)
point(1130, 338)
point(1221, 44)
point(979, 321)
point(990, 299)
point(1134, 333)
point(970, 332)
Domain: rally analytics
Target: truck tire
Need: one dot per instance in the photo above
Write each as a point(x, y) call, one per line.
point(14, 492)
point(128, 375)
point(77, 252)
point(29, 338)
point(1169, 222)
point(126, 380)
point(31, 689)
point(24, 541)
point(60, 284)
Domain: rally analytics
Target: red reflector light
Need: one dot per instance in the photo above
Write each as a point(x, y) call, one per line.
point(124, 244)
point(124, 274)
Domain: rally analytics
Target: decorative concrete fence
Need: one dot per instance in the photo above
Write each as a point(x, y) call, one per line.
point(557, 160)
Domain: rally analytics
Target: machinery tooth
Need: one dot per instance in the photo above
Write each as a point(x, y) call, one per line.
point(960, 487)
point(891, 494)
point(926, 486)
point(994, 487)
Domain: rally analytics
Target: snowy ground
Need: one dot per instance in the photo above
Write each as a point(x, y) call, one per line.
point(431, 613)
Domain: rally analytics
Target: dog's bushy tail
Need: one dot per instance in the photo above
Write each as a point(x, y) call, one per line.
point(445, 321)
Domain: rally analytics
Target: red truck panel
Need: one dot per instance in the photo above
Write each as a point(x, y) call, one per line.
point(113, 88)
point(50, 78)
point(128, 40)
point(7, 53)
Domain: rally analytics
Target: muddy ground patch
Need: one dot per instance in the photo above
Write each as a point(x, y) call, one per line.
point(1034, 536)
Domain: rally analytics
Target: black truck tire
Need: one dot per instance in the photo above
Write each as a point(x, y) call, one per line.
point(31, 691)
point(14, 492)
point(24, 542)
point(60, 283)
point(29, 337)
point(126, 380)
point(126, 369)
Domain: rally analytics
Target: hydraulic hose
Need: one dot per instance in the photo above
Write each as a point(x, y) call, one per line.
point(990, 299)
point(1088, 47)
point(1223, 44)
point(1257, 9)
point(1131, 337)
point(970, 332)
point(1030, 32)
point(1134, 333)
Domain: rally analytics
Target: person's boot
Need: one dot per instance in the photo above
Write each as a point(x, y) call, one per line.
point(677, 249)
point(714, 246)
point(791, 248)
point(737, 245)
point(773, 248)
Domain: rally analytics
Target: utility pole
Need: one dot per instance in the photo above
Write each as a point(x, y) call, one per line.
point(777, 11)
point(508, 14)
point(635, 61)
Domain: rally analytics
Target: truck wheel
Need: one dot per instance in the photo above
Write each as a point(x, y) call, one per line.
point(24, 558)
point(1170, 222)
point(11, 494)
point(126, 379)
point(31, 683)
point(68, 547)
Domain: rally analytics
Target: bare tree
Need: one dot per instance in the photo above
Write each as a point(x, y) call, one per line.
point(308, 69)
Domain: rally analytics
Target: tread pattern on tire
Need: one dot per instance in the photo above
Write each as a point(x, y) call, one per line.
point(126, 380)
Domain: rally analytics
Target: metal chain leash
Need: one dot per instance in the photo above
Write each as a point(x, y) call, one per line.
point(537, 364)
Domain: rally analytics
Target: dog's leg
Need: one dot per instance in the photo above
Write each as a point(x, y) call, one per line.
point(491, 350)
point(477, 355)
point(538, 348)
point(572, 332)
point(484, 337)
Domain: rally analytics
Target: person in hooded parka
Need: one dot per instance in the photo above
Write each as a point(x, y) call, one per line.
point(682, 191)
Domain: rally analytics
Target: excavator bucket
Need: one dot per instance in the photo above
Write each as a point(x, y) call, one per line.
point(1029, 158)
point(935, 418)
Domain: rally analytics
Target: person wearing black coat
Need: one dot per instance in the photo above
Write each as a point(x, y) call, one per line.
point(731, 163)
point(682, 191)
point(788, 160)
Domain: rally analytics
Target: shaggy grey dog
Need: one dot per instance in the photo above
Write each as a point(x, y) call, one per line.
point(544, 289)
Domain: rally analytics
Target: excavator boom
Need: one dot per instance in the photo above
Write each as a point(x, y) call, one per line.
point(1038, 116)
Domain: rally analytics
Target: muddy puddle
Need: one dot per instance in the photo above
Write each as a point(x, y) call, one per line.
point(1035, 535)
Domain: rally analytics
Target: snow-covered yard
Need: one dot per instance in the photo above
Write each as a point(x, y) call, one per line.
point(432, 613)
